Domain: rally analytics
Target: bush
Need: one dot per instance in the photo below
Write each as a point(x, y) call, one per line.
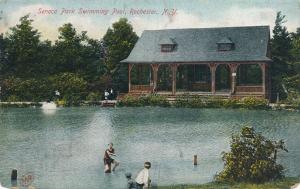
point(208, 102)
point(129, 100)
point(17, 89)
point(150, 100)
point(72, 87)
point(94, 96)
point(192, 102)
point(254, 103)
point(293, 99)
point(252, 158)
point(60, 103)
point(232, 103)
point(13, 98)
point(154, 100)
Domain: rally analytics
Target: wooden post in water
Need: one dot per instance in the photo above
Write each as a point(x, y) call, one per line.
point(14, 175)
point(195, 160)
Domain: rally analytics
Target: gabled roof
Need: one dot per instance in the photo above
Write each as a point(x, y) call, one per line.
point(200, 45)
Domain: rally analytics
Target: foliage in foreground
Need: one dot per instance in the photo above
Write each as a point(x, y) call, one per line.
point(279, 184)
point(252, 158)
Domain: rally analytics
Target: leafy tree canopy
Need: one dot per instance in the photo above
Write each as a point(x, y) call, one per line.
point(119, 41)
point(23, 49)
point(280, 49)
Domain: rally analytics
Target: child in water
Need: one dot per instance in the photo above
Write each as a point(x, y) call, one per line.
point(143, 178)
point(108, 160)
point(130, 182)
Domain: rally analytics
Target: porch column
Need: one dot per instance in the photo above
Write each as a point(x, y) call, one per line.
point(174, 70)
point(263, 69)
point(233, 69)
point(155, 70)
point(213, 68)
point(129, 76)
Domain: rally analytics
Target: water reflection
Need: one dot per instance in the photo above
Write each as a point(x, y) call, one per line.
point(49, 111)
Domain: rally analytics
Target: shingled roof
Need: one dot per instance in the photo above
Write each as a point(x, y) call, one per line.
point(200, 45)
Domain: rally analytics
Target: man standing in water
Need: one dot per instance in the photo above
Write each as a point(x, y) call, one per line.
point(108, 160)
point(143, 178)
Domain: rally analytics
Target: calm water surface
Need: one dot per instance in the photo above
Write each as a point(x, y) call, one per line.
point(64, 149)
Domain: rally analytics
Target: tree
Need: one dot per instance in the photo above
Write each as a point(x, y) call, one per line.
point(67, 50)
point(94, 66)
point(252, 158)
point(119, 41)
point(280, 50)
point(295, 52)
point(77, 53)
point(292, 82)
point(23, 49)
point(3, 56)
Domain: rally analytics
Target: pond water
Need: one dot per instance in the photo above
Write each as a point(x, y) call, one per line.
point(64, 149)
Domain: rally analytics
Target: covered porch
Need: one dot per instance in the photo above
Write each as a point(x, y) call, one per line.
point(230, 79)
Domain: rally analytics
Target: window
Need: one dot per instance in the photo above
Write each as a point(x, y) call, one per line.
point(167, 48)
point(225, 46)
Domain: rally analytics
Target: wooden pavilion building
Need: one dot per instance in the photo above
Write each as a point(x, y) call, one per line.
point(227, 61)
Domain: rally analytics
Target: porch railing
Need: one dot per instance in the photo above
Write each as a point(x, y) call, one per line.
point(201, 86)
point(249, 89)
point(141, 88)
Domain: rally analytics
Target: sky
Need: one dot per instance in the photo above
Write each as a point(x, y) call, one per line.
point(49, 15)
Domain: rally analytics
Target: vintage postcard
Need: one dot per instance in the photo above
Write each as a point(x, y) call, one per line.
point(115, 94)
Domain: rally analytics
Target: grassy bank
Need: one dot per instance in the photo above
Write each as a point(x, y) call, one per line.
point(280, 184)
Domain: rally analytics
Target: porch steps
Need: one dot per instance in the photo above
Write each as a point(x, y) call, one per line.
point(108, 103)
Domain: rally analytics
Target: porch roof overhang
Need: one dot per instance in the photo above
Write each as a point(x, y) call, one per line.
point(200, 62)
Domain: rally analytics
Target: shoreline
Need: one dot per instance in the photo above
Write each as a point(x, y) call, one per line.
point(285, 183)
point(26, 104)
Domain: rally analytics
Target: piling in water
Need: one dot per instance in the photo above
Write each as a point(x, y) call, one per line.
point(195, 160)
point(14, 175)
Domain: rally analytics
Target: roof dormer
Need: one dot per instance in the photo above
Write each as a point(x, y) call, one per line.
point(225, 44)
point(167, 44)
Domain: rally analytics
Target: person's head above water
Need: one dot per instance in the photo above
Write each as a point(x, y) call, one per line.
point(110, 145)
point(147, 165)
point(128, 175)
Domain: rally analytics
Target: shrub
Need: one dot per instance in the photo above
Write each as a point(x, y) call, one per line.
point(17, 89)
point(214, 102)
point(94, 96)
point(232, 103)
point(72, 87)
point(13, 98)
point(254, 103)
point(61, 102)
point(129, 100)
point(150, 100)
point(155, 100)
point(252, 158)
point(208, 102)
point(293, 99)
